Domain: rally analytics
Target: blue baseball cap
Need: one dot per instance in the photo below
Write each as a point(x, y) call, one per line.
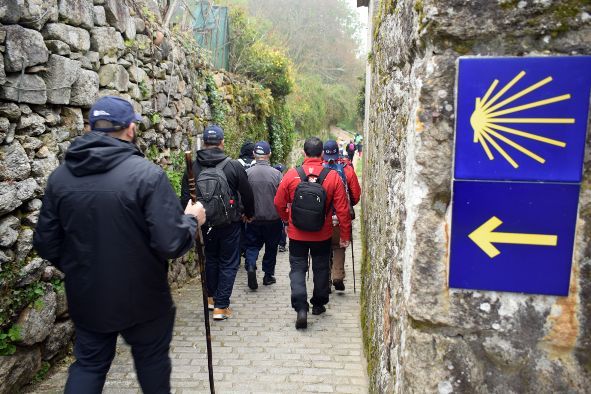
point(331, 150)
point(262, 148)
point(213, 134)
point(116, 110)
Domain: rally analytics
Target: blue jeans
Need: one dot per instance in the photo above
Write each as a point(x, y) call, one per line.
point(94, 351)
point(259, 234)
point(222, 259)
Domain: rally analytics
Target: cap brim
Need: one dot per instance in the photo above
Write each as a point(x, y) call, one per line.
point(331, 157)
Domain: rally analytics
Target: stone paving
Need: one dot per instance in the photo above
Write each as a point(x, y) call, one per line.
point(258, 350)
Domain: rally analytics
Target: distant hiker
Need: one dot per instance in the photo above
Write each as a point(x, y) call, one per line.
point(306, 197)
point(283, 242)
point(358, 143)
point(246, 158)
point(351, 150)
point(351, 183)
point(110, 221)
point(220, 182)
point(266, 228)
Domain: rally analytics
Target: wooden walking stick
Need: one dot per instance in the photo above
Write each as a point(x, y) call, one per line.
point(200, 257)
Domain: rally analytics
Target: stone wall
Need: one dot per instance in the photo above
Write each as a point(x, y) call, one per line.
point(420, 335)
point(56, 58)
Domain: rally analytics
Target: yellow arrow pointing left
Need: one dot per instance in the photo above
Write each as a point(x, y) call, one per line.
point(485, 236)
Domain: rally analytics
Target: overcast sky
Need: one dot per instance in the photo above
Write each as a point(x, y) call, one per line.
point(363, 15)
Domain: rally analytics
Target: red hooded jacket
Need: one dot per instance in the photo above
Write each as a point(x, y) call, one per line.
point(335, 197)
point(352, 181)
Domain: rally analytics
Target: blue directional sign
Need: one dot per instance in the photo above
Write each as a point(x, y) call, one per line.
point(521, 126)
point(510, 236)
point(522, 118)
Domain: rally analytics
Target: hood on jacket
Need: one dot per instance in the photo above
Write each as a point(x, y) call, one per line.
point(210, 157)
point(95, 153)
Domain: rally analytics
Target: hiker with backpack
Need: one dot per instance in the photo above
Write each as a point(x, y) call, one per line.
point(351, 150)
point(220, 182)
point(358, 143)
point(266, 228)
point(348, 176)
point(246, 158)
point(306, 198)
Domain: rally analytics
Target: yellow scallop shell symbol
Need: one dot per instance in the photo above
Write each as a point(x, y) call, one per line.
point(488, 119)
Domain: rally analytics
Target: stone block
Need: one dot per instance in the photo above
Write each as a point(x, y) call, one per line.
point(85, 89)
point(77, 13)
point(10, 111)
point(14, 162)
point(8, 200)
point(140, 25)
point(24, 89)
point(2, 71)
point(106, 41)
point(58, 47)
point(61, 75)
point(4, 125)
point(36, 320)
point(72, 119)
point(36, 13)
point(24, 48)
point(117, 14)
point(9, 228)
point(77, 38)
point(61, 334)
point(42, 168)
point(18, 369)
point(33, 271)
point(10, 11)
point(114, 76)
point(25, 190)
point(32, 124)
point(100, 18)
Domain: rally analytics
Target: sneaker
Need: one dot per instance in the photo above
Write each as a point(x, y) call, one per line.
point(282, 249)
point(222, 313)
point(302, 319)
point(268, 280)
point(210, 303)
point(252, 280)
point(338, 285)
point(318, 309)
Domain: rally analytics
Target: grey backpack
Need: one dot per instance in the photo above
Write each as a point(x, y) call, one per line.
point(213, 191)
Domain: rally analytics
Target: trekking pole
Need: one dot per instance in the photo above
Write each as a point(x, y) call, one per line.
point(353, 259)
point(200, 257)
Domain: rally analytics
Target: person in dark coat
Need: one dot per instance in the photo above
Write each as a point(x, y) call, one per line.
point(110, 220)
point(246, 158)
point(222, 244)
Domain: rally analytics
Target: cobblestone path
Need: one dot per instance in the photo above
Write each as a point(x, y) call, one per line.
point(257, 350)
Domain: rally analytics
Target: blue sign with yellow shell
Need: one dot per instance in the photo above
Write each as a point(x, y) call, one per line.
point(522, 118)
point(521, 126)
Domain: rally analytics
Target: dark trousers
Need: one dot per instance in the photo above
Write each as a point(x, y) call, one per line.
point(259, 234)
point(298, 260)
point(243, 227)
point(222, 259)
point(150, 343)
point(283, 240)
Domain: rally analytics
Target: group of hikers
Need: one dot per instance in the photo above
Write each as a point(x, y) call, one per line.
point(354, 145)
point(110, 221)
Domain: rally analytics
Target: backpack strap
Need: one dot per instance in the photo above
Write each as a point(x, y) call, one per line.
point(222, 164)
point(302, 174)
point(323, 174)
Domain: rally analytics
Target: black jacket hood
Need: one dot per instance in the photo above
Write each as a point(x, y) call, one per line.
point(247, 151)
point(95, 153)
point(210, 157)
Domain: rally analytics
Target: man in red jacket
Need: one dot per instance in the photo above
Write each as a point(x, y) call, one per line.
point(315, 243)
point(345, 170)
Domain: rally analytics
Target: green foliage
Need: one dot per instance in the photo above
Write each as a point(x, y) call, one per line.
point(153, 154)
point(215, 100)
point(144, 89)
point(155, 117)
point(7, 339)
point(41, 373)
point(175, 170)
point(255, 58)
point(281, 131)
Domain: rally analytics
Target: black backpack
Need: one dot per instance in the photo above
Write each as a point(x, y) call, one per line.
point(214, 193)
point(308, 209)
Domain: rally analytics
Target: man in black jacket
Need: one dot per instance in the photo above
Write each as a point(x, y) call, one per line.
point(110, 220)
point(222, 244)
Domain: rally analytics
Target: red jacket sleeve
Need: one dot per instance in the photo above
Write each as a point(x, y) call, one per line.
point(340, 203)
point(353, 184)
point(282, 197)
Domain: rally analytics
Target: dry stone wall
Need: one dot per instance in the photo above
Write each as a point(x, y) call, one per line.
point(56, 58)
point(420, 335)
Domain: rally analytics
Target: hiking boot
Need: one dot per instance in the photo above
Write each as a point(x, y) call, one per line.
point(252, 279)
point(210, 303)
point(282, 249)
point(338, 285)
point(318, 309)
point(302, 319)
point(268, 280)
point(222, 313)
